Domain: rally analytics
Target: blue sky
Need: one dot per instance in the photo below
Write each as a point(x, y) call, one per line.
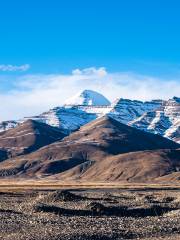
point(40, 38)
point(60, 35)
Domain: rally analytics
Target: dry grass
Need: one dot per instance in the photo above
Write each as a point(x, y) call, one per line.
point(15, 184)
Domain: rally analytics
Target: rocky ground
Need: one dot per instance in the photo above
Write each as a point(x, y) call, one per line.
point(90, 214)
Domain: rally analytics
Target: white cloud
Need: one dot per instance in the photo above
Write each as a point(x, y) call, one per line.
point(37, 93)
point(14, 68)
point(98, 72)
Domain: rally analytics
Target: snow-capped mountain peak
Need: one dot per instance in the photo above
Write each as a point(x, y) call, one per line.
point(88, 98)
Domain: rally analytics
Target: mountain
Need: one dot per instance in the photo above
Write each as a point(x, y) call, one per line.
point(66, 118)
point(125, 110)
point(77, 111)
point(164, 121)
point(71, 117)
point(85, 107)
point(88, 98)
point(102, 150)
point(27, 137)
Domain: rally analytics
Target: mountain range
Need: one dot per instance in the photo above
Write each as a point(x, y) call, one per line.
point(91, 139)
point(156, 116)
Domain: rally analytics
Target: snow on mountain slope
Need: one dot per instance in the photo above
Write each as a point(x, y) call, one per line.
point(164, 121)
point(66, 118)
point(6, 125)
point(88, 98)
point(88, 106)
point(126, 110)
point(79, 110)
point(71, 117)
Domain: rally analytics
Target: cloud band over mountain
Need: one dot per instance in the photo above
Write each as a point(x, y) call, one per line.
point(39, 92)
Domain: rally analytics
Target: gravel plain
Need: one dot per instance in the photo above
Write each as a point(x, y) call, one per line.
point(90, 214)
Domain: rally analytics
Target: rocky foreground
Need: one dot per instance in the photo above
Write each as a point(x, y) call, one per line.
point(90, 214)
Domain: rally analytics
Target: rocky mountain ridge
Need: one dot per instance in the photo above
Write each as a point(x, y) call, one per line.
point(164, 120)
point(156, 116)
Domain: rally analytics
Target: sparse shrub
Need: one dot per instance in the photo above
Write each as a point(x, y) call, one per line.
point(168, 199)
point(63, 195)
point(97, 208)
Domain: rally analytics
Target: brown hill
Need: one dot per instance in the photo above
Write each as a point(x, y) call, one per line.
point(140, 166)
point(27, 137)
point(103, 150)
point(104, 135)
